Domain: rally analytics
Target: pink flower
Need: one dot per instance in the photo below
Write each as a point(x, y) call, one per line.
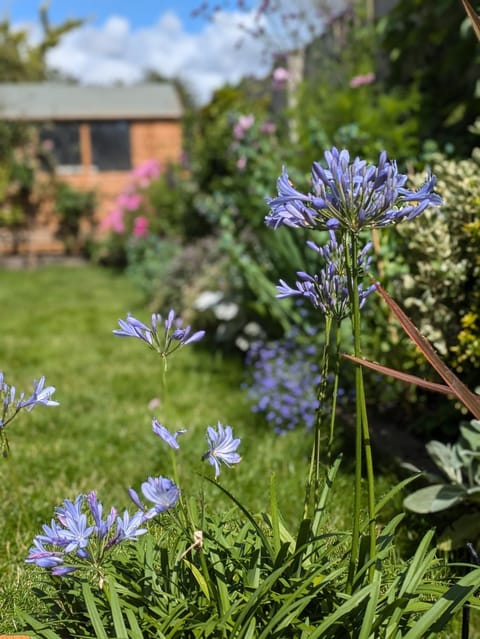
point(241, 162)
point(140, 226)
point(144, 173)
point(129, 201)
point(113, 221)
point(280, 77)
point(244, 123)
point(268, 127)
point(359, 80)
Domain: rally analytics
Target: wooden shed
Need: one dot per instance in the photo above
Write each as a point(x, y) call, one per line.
point(98, 133)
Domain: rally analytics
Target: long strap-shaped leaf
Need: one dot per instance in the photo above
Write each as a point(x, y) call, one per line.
point(404, 377)
point(473, 17)
point(457, 387)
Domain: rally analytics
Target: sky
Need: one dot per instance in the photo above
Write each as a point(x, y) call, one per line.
point(121, 40)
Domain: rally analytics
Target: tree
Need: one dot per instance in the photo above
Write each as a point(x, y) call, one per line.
point(21, 61)
point(432, 45)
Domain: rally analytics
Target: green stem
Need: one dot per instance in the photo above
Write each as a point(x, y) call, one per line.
point(362, 434)
point(312, 491)
point(334, 393)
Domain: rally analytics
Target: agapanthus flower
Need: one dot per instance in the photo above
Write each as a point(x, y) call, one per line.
point(79, 536)
point(11, 405)
point(129, 526)
point(162, 492)
point(164, 336)
point(40, 396)
point(166, 435)
point(222, 447)
point(328, 290)
point(350, 196)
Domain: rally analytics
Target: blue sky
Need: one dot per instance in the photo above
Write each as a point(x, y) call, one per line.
point(122, 40)
point(140, 13)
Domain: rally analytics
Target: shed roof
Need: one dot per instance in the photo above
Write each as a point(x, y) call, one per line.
point(36, 101)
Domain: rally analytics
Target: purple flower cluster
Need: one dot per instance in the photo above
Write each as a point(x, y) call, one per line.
point(164, 336)
point(284, 379)
point(350, 196)
point(81, 536)
point(12, 405)
point(328, 290)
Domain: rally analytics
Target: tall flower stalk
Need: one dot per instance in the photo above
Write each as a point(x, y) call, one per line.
point(347, 199)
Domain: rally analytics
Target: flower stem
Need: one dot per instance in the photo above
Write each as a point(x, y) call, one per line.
point(333, 410)
point(362, 434)
point(312, 491)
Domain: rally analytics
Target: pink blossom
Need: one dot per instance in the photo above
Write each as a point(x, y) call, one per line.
point(241, 162)
point(268, 127)
point(129, 200)
point(144, 173)
point(280, 77)
point(359, 80)
point(244, 123)
point(140, 226)
point(113, 221)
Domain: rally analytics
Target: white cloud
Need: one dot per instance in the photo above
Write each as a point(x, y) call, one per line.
point(114, 52)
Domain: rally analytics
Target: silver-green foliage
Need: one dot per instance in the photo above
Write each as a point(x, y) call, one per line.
point(459, 483)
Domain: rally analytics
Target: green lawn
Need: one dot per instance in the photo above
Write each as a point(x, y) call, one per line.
point(58, 322)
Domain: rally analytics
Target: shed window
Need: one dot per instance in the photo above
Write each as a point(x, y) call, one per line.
point(110, 145)
point(63, 140)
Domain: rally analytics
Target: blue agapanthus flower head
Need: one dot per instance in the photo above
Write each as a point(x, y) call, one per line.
point(162, 492)
point(169, 438)
point(163, 335)
point(222, 447)
point(79, 536)
point(350, 195)
point(328, 290)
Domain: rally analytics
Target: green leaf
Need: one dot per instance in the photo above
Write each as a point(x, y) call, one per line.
point(95, 618)
point(135, 631)
point(433, 499)
point(353, 602)
point(199, 578)
point(39, 627)
point(443, 610)
point(118, 622)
